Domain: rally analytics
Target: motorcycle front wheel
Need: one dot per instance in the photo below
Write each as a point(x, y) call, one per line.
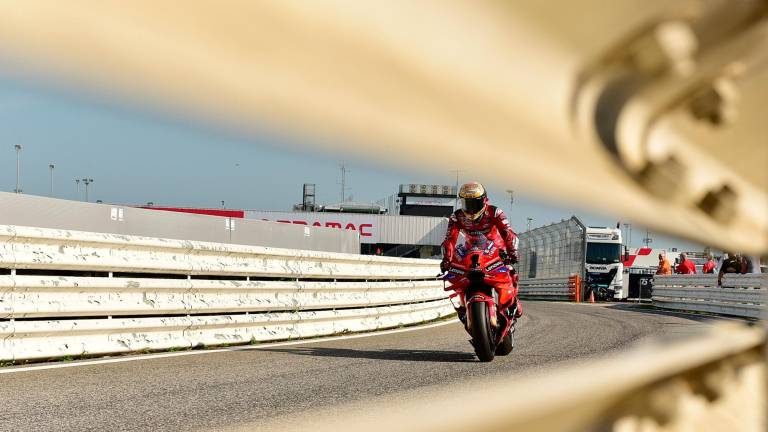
point(507, 344)
point(482, 336)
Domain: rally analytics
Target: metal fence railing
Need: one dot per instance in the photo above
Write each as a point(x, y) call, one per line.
point(553, 251)
point(559, 288)
point(737, 295)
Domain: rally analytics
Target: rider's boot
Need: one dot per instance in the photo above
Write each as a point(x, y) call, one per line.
point(519, 311)
point(462, 312)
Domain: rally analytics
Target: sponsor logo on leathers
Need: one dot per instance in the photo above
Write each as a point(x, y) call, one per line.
point(493, 266)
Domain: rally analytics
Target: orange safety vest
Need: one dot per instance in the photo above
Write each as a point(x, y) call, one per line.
point(664, 268)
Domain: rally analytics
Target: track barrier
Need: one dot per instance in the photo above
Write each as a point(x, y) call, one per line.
point(574, 287)
point(738, 295)
point(71, 293)
point(559, 288)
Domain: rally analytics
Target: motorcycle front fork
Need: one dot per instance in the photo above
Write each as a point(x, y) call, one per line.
point(492, 315)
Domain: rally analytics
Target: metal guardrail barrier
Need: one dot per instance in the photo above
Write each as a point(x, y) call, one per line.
point(559, 288)
point(62, 296)
point(41, 248)
point(75, 293)
point(739, 295)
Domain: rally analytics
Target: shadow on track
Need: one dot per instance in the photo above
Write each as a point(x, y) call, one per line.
point(384, 354)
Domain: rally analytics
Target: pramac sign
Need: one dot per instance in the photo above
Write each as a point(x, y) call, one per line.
point(366, 225)
point(363, 228)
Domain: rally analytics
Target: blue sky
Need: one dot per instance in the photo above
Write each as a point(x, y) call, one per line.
point(137, 155)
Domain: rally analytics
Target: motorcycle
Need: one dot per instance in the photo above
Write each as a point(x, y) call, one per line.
point(486, 290)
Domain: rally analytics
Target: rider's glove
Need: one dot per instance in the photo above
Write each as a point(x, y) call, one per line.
point(445, 265)
point(510, 258)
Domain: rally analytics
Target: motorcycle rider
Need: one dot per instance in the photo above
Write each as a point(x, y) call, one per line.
point(476, 218)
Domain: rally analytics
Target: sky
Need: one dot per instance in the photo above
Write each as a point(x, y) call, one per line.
point(136, 155)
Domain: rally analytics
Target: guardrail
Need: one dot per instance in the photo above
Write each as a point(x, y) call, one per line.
point(560, 288)
point(79, 293)
point(739, 295)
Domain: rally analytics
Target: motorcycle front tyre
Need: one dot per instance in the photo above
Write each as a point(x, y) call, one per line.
point(482, 337)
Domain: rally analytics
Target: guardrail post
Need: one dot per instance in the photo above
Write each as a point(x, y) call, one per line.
point(574, 287)
point(580, 288)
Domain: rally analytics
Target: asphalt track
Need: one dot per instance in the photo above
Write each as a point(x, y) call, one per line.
point(266, 387)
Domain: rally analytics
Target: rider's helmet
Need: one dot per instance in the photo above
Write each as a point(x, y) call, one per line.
point(473, 199)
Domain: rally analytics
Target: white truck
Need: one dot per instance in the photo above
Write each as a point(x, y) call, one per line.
point(556, 251)
point(604, 271)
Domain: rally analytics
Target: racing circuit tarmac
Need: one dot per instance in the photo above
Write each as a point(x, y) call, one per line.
point(265, 388)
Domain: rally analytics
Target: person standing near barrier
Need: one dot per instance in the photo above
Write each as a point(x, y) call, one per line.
point(752, 264)
point(664, 267)
point(686, 266)
point(709, 266)
point(732, 264)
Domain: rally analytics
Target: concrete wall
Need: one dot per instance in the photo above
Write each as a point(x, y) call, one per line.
point(29, 210)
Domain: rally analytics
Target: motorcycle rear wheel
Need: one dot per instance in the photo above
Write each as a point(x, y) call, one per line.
point(482, 336)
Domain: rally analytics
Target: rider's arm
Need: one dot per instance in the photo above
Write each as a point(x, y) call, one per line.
point(451, 236)
point(505, 230)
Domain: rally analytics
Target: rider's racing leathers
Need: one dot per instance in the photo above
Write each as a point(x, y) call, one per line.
point(492, 224)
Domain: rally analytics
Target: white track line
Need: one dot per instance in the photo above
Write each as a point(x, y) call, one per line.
point(32, 368)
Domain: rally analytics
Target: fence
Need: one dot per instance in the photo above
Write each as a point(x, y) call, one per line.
point(739, 295)
point(553, 251)
point(74, 293)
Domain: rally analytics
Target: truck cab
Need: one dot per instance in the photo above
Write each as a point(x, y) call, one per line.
point(603, 263)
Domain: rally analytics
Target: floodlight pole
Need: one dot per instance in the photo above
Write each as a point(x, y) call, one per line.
point(18, 167)
point(51, 167)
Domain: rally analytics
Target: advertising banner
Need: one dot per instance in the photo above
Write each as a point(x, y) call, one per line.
point(367, 225)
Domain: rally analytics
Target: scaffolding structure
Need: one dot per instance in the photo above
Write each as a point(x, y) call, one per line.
point(555, 250)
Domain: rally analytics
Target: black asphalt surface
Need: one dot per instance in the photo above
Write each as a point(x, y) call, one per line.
point(261, 387)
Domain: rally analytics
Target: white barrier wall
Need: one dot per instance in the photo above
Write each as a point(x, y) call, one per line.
point(42, 248)
point(739, 295)
point(44, 296)
point(75, 293)
point(36, 339)
point(44, 212)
